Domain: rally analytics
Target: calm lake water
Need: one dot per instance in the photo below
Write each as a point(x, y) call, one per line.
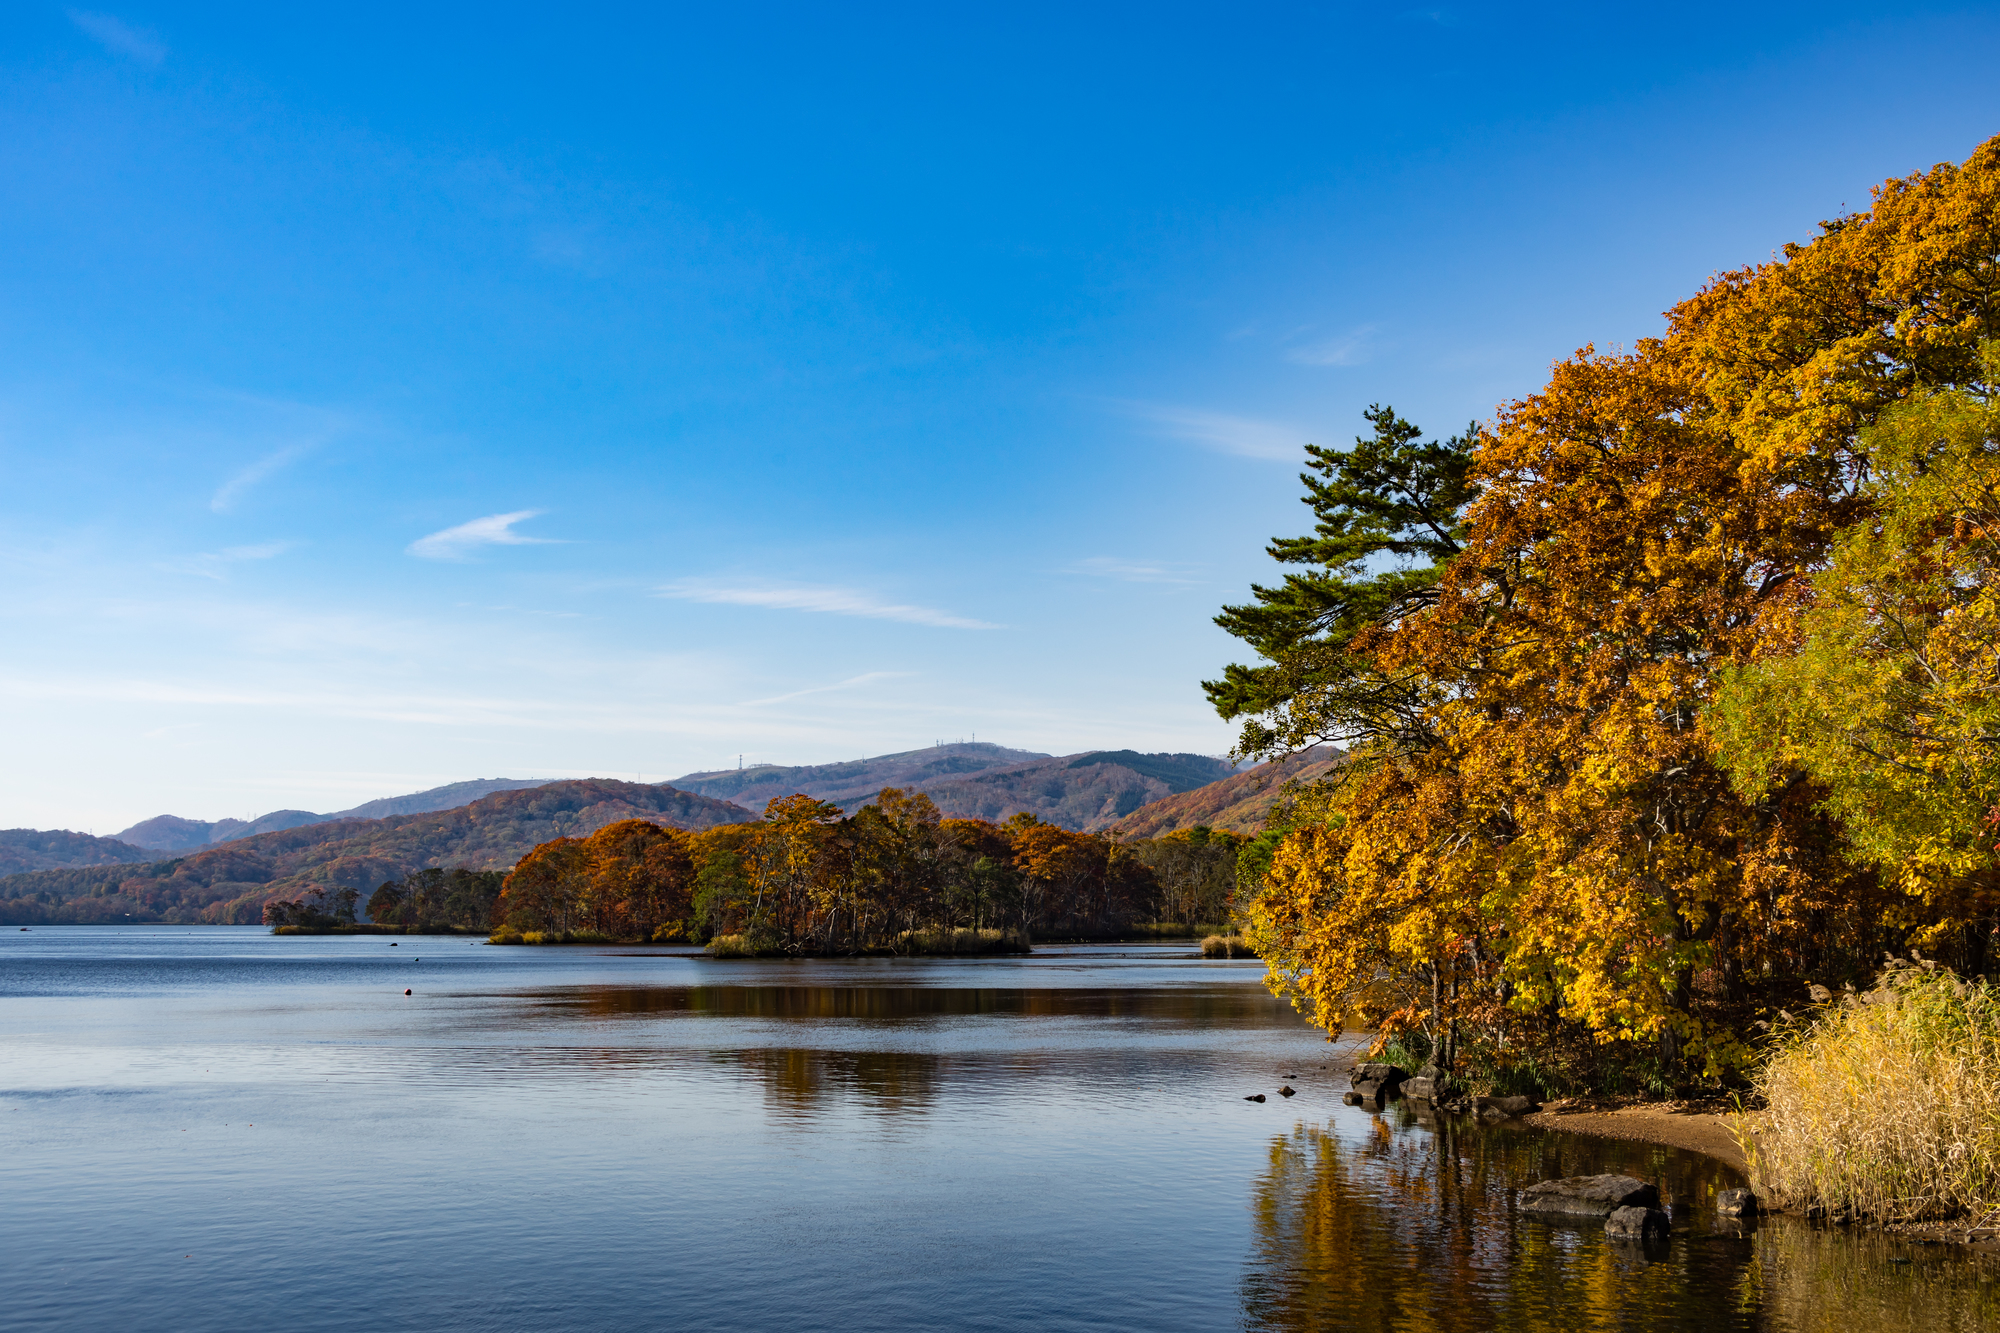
point(219, 1129)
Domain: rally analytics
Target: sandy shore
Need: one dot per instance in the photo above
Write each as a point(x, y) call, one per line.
point(1696, 1126)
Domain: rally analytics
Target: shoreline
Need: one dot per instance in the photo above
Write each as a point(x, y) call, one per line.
point(1691, 1126)
point(1700, 1127)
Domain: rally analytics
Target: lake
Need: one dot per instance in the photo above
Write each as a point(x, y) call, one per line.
point(215, 1128)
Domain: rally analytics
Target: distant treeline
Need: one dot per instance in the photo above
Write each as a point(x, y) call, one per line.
point(809, 878)
point(432, 900)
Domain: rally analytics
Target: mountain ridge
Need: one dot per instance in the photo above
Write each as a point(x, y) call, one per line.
point(1086, 791)
point(230, 883)
point(173, 833)
point(1239, 803)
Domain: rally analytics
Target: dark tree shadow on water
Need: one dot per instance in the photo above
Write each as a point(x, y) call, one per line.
point(1380, 1223)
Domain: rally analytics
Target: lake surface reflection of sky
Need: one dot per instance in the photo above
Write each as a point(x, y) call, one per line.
point(219, 1129)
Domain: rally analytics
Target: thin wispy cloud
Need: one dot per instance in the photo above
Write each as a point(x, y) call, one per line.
point(851, 682)
point(1246, 437)
point(493, 530)
point(1348, 349)
point(1132, 571)
point(120, 38)
point(806, 597)
point(232, 490)
point(215, 564)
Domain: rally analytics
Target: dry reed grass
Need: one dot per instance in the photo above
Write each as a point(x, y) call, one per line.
point(962, 940)
point(1885, 1105)
point(1227, 946)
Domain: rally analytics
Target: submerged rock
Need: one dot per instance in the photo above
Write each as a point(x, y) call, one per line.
point(1501, 1108)
point(1637, 1223)
point(1588, 1196)
point(1254, 1097)
point(1288, 1091)
point(1736, 1203)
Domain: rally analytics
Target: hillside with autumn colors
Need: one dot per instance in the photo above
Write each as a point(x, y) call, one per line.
point(1238, 803)
point(1085, 792)
point(230, 883)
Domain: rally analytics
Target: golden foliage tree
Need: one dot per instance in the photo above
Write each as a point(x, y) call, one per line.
point(1554, 844)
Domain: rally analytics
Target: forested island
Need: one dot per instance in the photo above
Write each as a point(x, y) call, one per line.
point(808, 878)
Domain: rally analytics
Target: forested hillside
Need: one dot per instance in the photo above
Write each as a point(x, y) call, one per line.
point(1086, 791)
point(41, 849)
point(1082, 791)
point(854, 781)
point(1239, 803)
point(172, 833)
point(231, 883)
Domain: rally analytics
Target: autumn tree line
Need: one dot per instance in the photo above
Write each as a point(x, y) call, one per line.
point(1671, 693)
point(808, 878)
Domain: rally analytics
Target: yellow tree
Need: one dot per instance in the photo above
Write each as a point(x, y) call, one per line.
point(1556, 834)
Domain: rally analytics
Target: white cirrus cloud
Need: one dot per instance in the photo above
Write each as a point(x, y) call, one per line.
point(811, 597)
point(852, 682)
point(493, 530)
point(1348, 349)
point(231, 491)
point(1246, 437)
point(1132, 571)
point(119, 37)
point(213, 564)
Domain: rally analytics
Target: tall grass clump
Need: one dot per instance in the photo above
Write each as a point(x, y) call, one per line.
point(962, 940)
point(1886, 1105)
point(1227, 946)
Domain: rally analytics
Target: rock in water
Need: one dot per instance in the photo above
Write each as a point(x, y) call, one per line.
point(1736, 1203)
point(1500, 1108)
point(1254, 1097)
point(1419, 1089)
point(1288, 1091)
point(1637, 1224)
point(1588, 1196)
point(1376, 1073)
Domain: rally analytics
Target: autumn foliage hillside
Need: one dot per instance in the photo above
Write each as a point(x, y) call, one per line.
point(1082, 792)
point(44, 849)
point(230, 883)
point(1239, 803)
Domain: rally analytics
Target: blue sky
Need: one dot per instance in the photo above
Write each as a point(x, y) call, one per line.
point(393, 395)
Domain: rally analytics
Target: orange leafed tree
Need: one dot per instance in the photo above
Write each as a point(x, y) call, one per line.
point(1557, 847)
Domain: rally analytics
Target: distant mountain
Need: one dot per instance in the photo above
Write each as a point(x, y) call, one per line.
point(979, 781)
point(230, 883)
point(24, 849)
point(171, 833)
point(1082, 791)
point(1238, 802)
point(855, 782)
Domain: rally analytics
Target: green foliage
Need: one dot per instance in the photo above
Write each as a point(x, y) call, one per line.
point(1891, 705)
point(1388, 520)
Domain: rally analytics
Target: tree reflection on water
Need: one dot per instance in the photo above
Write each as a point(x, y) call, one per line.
point(1391, 1226)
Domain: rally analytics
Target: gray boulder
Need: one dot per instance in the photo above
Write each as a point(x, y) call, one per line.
point(1376, 1073)
point(1736, 1203)
point(1420, 1089)
point(1637, 1224)
point(1588, 1196)
point(1500, 1108)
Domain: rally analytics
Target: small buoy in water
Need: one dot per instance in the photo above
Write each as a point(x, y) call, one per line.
point(406, 992)
point(1254, 1097)
point(1288, 1091)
